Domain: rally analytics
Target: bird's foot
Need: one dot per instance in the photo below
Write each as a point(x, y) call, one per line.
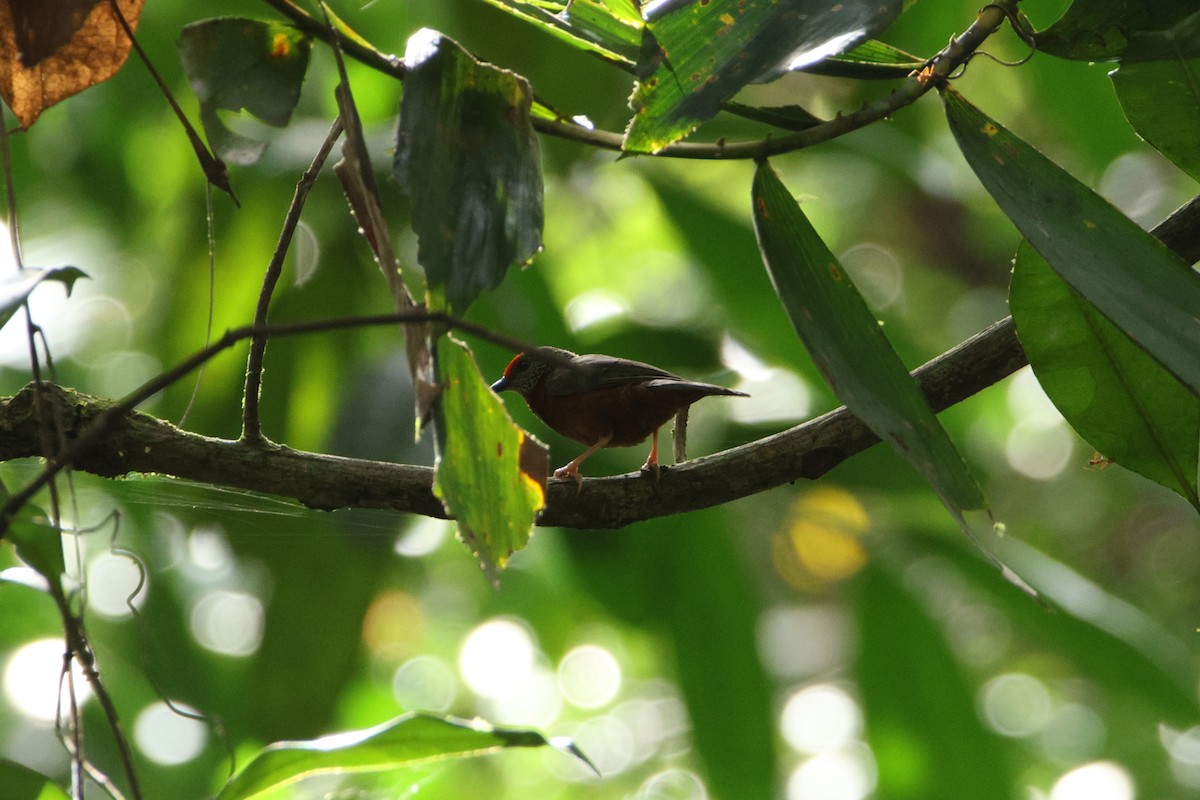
point(571, 471)
point(653, 467)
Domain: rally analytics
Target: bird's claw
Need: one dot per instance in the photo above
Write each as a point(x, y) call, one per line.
point(654, 467)
point(562, 473)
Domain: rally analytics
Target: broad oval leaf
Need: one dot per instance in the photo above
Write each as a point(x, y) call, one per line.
point(236, 64)
point(491, 475)
point(697, 55)
point(1132, 278)
point(404, 742)
point(1111, 392)
point(1158, 85)
point(849, 347)
point(1100, 30)
point(467, 155)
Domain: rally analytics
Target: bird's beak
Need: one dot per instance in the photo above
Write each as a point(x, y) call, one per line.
point(500, 385)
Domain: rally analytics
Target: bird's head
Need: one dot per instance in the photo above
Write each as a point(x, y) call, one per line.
point(530, 368)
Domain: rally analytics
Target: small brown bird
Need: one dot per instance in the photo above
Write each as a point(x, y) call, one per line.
point(601, 401)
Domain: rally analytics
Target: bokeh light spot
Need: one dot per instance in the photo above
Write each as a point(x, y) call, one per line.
point(424, 683)
point(845, 774)
point(112, 579)
point(1016, 704)
point(496, 656)
point(672, 784)
point(394, 625)
point(31, 679)
point(1039, 450)
point(1099, 780)
point(820, 543)
point(229, 623)
point(166, 737)
point(820, 718)
point(589, 676)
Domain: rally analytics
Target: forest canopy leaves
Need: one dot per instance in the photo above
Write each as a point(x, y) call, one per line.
point(50, 51)
point(467, 155)
point(848, 346)
point(1131, 277)
point(402, 743)
point(1111, 392)
point(1101, 30)
point(235, 64)
point(696, 56)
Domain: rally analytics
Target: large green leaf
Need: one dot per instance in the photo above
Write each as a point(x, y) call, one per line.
point(849, 347)
point(22, 783)
point(1100, 30)
point(403, 743)
point(597, 27)
point(1110, 641)
point(1118, 398)
point(1132, 278)
point(1158, 85)
point(236, 64)
point(696, 56)
point(467, 155)
point(490, 474)
point(924, 732)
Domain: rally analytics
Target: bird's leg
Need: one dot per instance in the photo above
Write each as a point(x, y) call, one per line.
point(652, 459)
point(571, 470)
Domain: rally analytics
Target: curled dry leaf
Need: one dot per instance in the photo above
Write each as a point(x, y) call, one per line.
point(52, 49)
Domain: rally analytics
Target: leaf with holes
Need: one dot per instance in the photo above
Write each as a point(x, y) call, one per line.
point(235, 64)
point(696, 56)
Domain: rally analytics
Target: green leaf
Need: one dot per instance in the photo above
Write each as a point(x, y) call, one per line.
point(40, 546)
point(696, 56)
point(1132, 278)
point(1100, 30)
point(22, 783)
point(467, 155)
point(871, 60)
point(1110, 391)
point(924, 732)
point(1158, 85)
point(234, 64)
point(15, 289)
point(606, 29)
point(789, 118)
point(849, 347)
point(1109, 640)
point(405, 742)
point(490, 474)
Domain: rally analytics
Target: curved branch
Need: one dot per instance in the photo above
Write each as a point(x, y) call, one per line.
point(139, 443)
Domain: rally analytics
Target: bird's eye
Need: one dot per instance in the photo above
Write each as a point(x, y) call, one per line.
point(521, 366)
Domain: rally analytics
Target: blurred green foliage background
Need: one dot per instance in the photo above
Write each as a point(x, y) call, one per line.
point(830, 641)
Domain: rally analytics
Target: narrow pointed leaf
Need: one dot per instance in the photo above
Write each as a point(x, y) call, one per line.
point(405, 742)
point(871, 60)
point(1111, 392)
point(849, 347)
point(1132, 278)
point(696, 56)
point(235, 64)
point(1158, 85)
point(490, 474)
point(587, 24)
point(468, 157)
point(15, 289)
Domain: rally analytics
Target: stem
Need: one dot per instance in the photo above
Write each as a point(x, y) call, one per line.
point(251, 424)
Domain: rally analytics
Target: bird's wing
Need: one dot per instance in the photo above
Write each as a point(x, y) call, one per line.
point(600, 371)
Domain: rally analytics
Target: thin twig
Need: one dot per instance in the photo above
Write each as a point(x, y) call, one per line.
point(251, 424)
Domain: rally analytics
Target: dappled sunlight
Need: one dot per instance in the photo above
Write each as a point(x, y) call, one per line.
point(589, 676)
point(229, 623)
point(1099, 780)
point(167, 737)
point(1015, 704)
point(820, 718)
point(112, 580)
point(31, 680)
point(846, 773)
point(425, 683)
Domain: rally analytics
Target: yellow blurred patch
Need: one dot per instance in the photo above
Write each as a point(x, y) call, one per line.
point(820, 544)
point(394, 626)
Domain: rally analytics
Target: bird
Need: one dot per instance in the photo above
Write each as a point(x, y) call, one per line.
point(601, 401)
